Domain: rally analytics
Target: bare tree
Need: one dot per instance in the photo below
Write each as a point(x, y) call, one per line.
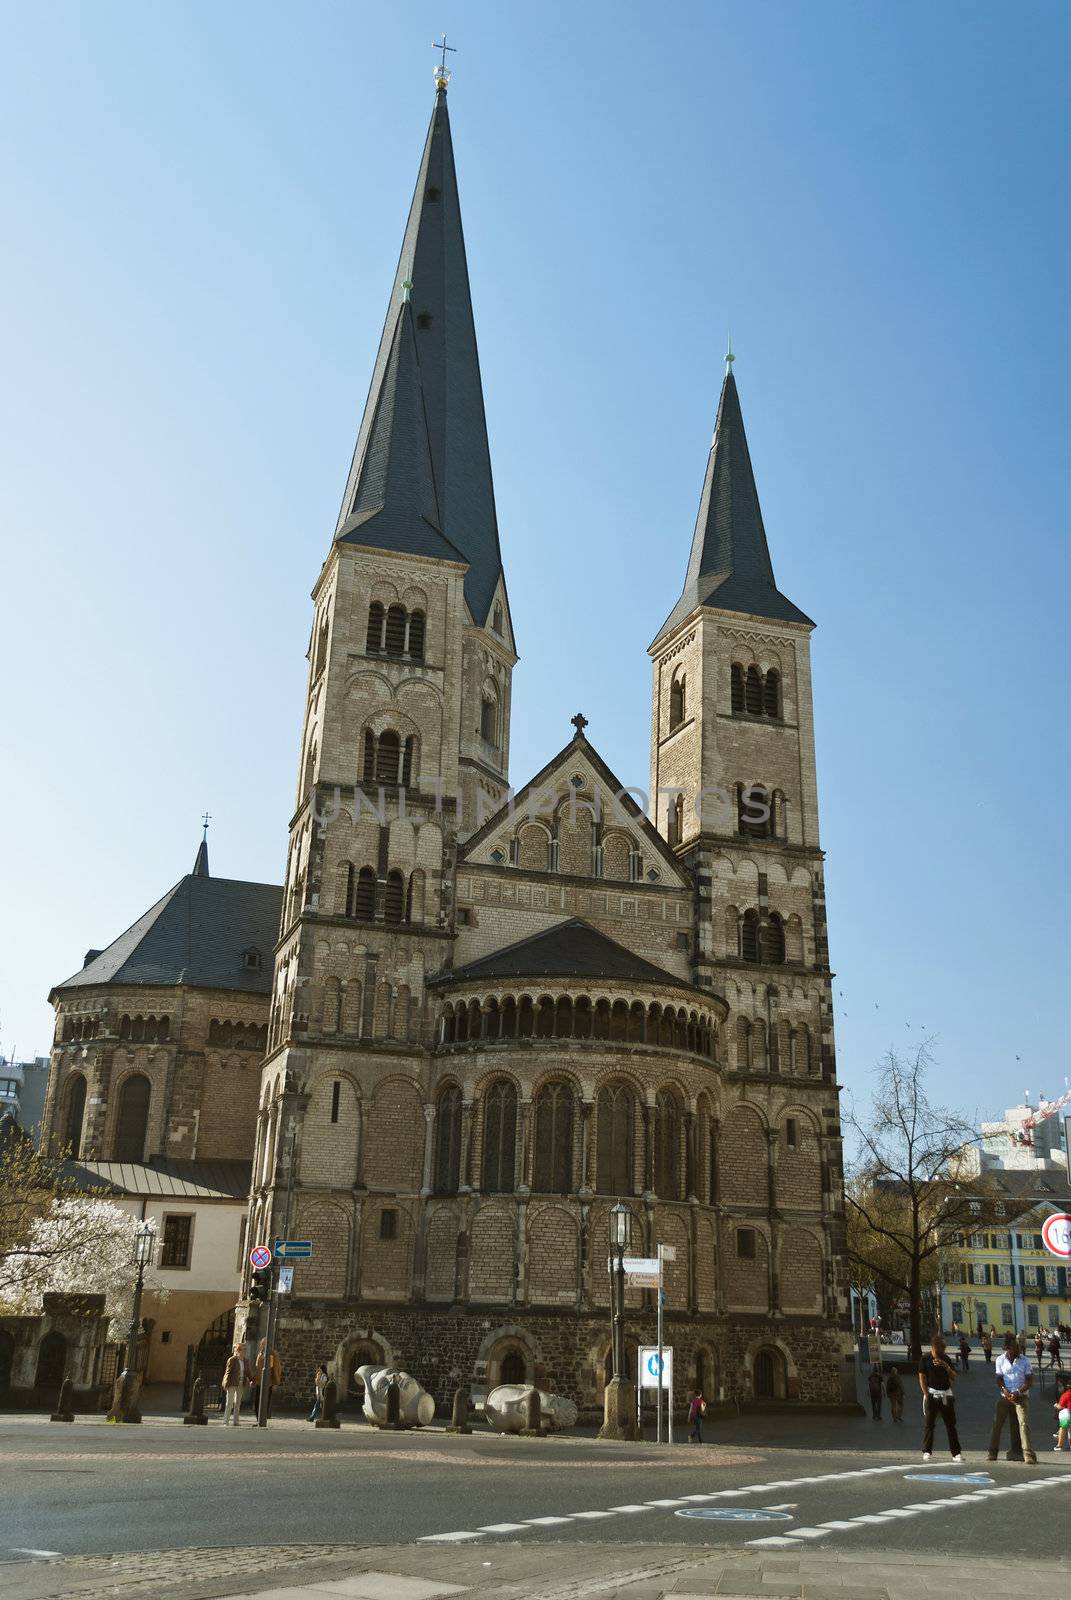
point(906, 1197)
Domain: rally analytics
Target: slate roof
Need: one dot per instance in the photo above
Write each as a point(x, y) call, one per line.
point(730, 564)
point(165, 1178)
point(194, 935)
point(447, 366)
point(572, 949)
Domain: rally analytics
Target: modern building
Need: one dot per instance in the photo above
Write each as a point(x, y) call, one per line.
point(23, 1085)
point(497, 1014)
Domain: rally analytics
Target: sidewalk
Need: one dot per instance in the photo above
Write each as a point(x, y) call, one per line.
point(532, 1572)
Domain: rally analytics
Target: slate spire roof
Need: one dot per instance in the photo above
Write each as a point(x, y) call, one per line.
point(572, 949)
point(198, 934)
point(730, 564)
point(435, 498)
point(200, 861)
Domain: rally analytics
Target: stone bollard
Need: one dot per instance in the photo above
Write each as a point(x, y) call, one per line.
point(394, 1405)
point(533, 1415)
point(195, 1416)
point(63, 1411)
point(459, 1416)
point(329, 1416)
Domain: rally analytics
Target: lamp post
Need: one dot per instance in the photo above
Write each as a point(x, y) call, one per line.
point(619, 1409)
point(127, 1391)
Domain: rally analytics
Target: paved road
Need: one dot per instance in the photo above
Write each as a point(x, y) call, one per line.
point(93, 1489)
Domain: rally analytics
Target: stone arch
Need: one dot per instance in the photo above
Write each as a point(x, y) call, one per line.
point(769, 1365)
point(132, 1117)
point(743, 1157)
point(444, 1227)
point(553, 1253)
point(508, 1338)
point(330, 1131)
point(491, 1255)
point(366, 1347)
point(533, 847)
point(327, 1224)
point(394, 1141)
point(386, 1250)
point(706, 1265)
point(802, 1276)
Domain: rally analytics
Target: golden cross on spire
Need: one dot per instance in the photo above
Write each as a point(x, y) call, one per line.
point(442, 71)
point(205, 820)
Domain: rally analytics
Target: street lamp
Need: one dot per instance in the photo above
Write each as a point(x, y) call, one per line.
point(620, 1233)
point(127, 1392)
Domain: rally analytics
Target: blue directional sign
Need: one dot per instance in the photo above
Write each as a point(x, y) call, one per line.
point(734, 1514)
point(296, 1249)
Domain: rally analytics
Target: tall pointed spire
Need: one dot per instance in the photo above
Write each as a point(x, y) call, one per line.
point(432, 281)
point(730, 565)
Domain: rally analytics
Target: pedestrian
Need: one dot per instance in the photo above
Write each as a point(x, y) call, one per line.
point(697, 1408)
point(320, 1382)
point(1039, 1347)
point(894, 1388)
point(874, 1387)
point(275, 1374)
point(235, 1377)
point(1015, 1376)
point(936, 1377)
point(964, 1351)
point(987, 1349)
point(1054, 1350)
point(1063, 1422)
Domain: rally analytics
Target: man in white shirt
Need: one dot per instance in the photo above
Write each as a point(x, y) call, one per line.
point(1015, 1377)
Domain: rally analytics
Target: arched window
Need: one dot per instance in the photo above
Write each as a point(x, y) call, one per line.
point(363, 903)
point(489, 717)
point(368, 764)
point(448, 1141)
point(310, 766)
point(394, 636)
point(771, 693)
point(754, 811)
point(416, 635)
point(75, 1113)
point(769, 1374)
point(736, 689)
point(376, 619)
point(513, 1368)
point(616, 1122)
point(753, 692)
point(496, 621)
point(553, 1166)
point(388, 755)
point(499, 1138)
point(321, 650)
point(667, 1147)
point(678, 699)
point(773, 940)
point(132, 1123)
point(749, 936)
point(394, 901)
point(676, 820)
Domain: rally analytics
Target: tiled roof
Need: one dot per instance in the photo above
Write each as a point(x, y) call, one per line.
point(195, 935)
point(573, 950)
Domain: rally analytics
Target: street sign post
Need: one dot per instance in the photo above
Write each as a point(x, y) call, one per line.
point(286, 1279)
point(293, 1249)
point(260, 1256)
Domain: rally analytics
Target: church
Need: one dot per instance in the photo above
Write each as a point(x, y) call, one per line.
point(489, 1013)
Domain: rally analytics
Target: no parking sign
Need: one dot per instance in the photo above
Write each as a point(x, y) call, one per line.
point(260, 1256)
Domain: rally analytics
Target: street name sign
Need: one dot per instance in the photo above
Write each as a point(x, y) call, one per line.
point(649, 1366)
point(1056, 1234)
point(296, 1249)
point(260, 1256)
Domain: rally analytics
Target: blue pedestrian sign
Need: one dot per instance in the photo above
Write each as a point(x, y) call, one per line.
point(295, 1249)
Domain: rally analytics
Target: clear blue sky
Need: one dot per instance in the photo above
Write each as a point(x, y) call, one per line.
point(202, 211)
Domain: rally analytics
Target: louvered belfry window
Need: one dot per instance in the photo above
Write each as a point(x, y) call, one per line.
point(737, 688)
point(499, 1138)
point(395, 636)
point(753, 692)
point(554, 1140)
point(616, 1119)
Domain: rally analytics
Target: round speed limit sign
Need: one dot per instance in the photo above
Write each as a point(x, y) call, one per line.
point(260, 1256)
point(1056, 1232)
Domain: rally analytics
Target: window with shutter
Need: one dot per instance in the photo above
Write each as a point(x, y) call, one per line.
point(499, 1138)
point(553, 1172)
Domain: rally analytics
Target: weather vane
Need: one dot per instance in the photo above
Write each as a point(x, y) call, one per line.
point(442, 71)
point(729, 357)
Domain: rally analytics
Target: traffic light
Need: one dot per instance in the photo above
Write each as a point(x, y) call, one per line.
point(260, 1285)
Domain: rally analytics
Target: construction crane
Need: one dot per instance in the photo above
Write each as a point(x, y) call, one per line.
point(1023, 1135)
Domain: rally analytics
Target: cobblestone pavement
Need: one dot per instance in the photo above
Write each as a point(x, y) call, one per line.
point(546, 1572)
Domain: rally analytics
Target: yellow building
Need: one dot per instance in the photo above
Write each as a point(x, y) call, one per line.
point(1003, 1277)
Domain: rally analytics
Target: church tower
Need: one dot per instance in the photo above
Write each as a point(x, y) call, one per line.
point(405, 742)
point(735, 794)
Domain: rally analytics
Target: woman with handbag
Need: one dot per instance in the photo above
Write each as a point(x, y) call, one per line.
point(696, 1412)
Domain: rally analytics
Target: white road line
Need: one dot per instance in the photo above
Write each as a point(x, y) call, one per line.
point(545, 1522)
point(48, 1555)
point(502, 1527)
point(589, 1516)
point(629, 1509)
point(447, 1538)
point(677, 1502)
